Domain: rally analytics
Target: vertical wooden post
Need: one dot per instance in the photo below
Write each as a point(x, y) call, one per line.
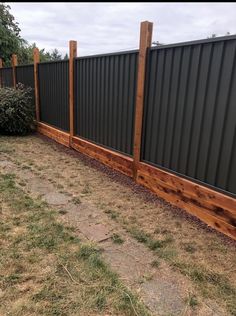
point(144, 43)
point(1, 65)
point(73, 54)
point(14, 64)
point(36, 86)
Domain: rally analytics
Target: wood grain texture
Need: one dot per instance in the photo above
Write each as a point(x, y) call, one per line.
point(14, 64)
point(54, 133)
point(73, 54)
point(212, 207)
point(36, 83)
point(108, 157)
point(144, 43)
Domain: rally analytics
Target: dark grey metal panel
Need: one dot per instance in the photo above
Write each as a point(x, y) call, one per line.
point(25, 75)
point(54, 93)
point(105, 99)
point(190, 112)
point(6, 77)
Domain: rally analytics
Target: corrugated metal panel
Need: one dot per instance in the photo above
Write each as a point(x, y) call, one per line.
point(25, 75)
point(54, 93)
point(6, 77)
point(105, 99)
point(190, 112)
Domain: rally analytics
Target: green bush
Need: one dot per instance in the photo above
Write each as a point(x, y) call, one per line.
point(17, 113)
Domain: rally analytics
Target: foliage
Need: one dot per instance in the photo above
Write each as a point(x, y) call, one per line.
point(10, 39)
point(16, 110)
point(12, 43)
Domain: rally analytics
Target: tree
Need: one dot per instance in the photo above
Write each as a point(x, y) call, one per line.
point(12, 43)
point(10, 39)
point(25, 54)
point(66, 57)
point(55, 55)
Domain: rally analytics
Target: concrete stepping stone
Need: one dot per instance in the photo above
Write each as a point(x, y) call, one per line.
point(55, 198)
point(163, 297)
point(94, 232)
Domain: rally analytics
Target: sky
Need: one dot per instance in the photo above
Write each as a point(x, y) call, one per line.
point(103, 27)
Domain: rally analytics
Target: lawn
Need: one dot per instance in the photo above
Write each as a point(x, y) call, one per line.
point(47, 269)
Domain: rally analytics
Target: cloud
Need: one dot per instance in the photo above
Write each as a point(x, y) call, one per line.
point(107, 27)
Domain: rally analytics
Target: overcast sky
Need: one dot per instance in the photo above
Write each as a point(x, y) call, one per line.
point(109, 27)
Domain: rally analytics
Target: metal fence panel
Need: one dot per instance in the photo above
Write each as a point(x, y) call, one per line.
point(190, 112)
point(105, 88)
point(6, 77)
point(25, 75)
point(54, 93)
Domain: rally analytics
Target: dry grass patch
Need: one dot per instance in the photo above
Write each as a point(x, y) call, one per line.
point(182, 243)
point(46, 270)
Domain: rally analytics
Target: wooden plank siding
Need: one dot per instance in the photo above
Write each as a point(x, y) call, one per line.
point(54, 133)
point(113, 159)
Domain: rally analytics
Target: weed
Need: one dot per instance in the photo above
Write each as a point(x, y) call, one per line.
point(117, 239)
point(155, 264)
point(62, 212)
point(76, 200)
point(112, 214)
point(192, 301)
point(189, 248)
point(86, 189)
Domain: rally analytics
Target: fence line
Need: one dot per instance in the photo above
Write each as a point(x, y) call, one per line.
point(165, 116)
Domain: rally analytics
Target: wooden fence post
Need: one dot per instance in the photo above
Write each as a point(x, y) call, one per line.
point(144, 43)
point(1, 65)
point(73, 54)
point(14, 64)
point(36, 86)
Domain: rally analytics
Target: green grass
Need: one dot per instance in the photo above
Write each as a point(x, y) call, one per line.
point(192, 301)
point(117, 239)
point(210, 284)
point(153, 244)
point(112, 214)
point(46, 270)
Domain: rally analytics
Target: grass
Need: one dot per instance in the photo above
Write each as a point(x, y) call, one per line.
point(6, 149)
point(192, 301)
point(117, 239)
point(155, 263)
point(210, 284)
point(112, 214)
point(151, 243)
point(76, 200)
point(46, 270)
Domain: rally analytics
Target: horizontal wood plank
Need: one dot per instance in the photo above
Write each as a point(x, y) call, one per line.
point(108, 157)
point(212, 207)
point(54, 133)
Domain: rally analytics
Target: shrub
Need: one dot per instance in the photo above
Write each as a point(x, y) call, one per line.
point(16, 110)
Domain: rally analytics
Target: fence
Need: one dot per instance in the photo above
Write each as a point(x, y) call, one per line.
point(165, 115)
